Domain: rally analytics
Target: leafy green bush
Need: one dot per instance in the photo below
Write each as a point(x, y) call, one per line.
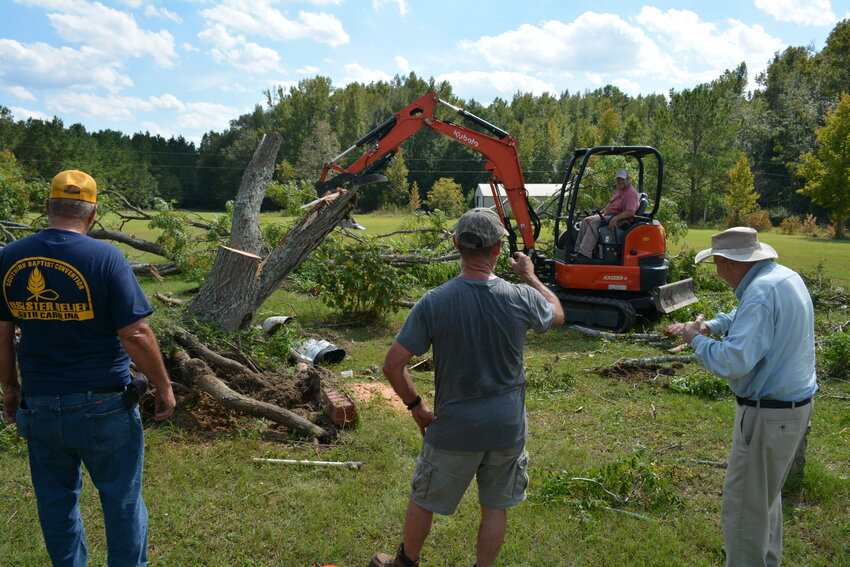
point(791, 225)
point(834, 355)
point(819, 283)
point(628, 481)
point(702, 385)
point(760, 220)
point(682, 266)
point(358, 281)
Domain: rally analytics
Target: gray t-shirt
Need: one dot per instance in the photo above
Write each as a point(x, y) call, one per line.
point(477, 329)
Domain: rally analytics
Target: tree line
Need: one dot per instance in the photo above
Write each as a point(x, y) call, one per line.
point(702, 132)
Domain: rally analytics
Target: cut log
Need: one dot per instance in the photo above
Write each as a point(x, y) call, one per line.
point(202, 378)
point(228, 295)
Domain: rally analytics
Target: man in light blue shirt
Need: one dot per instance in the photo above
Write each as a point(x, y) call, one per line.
point(767, 356)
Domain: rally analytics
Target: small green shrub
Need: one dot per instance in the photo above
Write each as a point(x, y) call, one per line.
point(552, 375)
point(627, 481)
point(791, 225)
point(361, 282)
point(810, 225)
point(819, 283)
point(834, 355)
point(702, 385)
point(682, 266)
point(760, 220)
point(10, 441)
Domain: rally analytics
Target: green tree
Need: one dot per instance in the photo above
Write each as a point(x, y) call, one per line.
point(699, 132)
point(827, 173)
point(413, 200)
point(396, 192)
point(741, 198)
point(447, 196)
point(18, 195)
point(320, 147)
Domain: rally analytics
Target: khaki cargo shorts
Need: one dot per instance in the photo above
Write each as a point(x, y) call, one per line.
point(441, 478)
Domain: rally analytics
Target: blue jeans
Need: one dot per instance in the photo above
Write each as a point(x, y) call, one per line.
point(97, 430)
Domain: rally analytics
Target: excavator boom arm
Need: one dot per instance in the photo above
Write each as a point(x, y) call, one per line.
point(500, 149)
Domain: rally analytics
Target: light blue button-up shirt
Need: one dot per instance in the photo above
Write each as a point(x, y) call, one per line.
point(768, 350)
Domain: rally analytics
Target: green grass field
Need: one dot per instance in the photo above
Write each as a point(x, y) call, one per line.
point(211, 505)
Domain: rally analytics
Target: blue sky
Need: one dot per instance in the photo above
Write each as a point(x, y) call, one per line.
point(188, 67)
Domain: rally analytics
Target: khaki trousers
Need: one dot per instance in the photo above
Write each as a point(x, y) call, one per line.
point(588, 234)
point(763, 447)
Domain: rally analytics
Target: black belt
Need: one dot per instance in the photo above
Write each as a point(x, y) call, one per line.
point(772, 404)
point(108, 390)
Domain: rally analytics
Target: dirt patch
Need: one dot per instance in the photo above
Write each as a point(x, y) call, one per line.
point(365, 391)
point(654, 374)
point(299, 392)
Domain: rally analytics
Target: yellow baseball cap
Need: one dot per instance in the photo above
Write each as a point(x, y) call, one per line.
point(73, 184)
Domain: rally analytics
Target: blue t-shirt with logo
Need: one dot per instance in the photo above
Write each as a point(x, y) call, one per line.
point(69, 294)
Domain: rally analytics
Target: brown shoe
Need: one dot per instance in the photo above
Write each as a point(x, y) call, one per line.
point(385, 560)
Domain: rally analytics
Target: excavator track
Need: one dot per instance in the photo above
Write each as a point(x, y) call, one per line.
point(613, 315)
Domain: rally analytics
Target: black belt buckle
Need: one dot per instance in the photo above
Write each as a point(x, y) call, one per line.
point(137, 388)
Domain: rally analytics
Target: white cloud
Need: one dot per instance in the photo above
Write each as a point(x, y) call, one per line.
point(239, 52)
point(603, 42)
point(20, 93)
point(402, 64)
point(116, 32)
point(482, 84)
point(308, 70)
point(25, 114)
point(657, 50)
point(258, 18)
point(206, 116)
point(801, 12)
point(112, 108)
point(356, 73)
point(203, 116)
point(42, 65)
point(189, 47)
point(403, 7)
point(164, 13)
point(704, 49)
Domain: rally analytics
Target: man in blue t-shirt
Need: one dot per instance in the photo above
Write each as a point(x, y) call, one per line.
point(476, 325)
point(81, 314)
point(767, 356)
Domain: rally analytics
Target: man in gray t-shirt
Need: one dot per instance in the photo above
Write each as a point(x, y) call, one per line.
point(476, 325)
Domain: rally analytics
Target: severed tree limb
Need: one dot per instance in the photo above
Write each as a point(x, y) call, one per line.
point(647, 337)
point(718, 464)
point(657, 360)
point(203, 379)
point(613, 496)
point(169, 300)
point(128, 239)
point(347, 464)
point(157, 271)
point(200, 350)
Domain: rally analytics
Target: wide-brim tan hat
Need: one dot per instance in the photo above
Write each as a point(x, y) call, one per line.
point(738, 243)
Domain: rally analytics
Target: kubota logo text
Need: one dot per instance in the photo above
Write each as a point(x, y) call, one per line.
point(466, 139)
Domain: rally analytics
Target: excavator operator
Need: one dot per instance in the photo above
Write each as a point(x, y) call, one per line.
point(622, 206)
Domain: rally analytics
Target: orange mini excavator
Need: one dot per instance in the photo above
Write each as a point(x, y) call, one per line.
point(627, 275)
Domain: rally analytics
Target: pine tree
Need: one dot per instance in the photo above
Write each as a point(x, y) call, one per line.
point(741, 198)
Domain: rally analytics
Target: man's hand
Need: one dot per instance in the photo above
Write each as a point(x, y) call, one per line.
point(522, 266)
point(423, 417)
point(11, 402)
point(687, 331)
point(164, 403)
point(612, 224)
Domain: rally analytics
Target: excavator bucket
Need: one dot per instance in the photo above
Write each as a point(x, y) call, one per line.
point(670, 297)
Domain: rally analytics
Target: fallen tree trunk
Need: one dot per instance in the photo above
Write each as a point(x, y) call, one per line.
point(202, 378)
